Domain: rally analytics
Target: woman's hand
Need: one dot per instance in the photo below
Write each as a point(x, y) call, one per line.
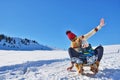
point(102, 23)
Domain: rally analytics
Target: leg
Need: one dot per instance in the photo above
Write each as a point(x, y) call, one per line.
point(79, 68)
point(72, 53)
point(99, 51)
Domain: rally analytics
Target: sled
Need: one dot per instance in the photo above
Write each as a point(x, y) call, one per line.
point(89, 60)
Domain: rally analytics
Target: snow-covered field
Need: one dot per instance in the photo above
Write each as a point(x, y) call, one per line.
point(51, 65)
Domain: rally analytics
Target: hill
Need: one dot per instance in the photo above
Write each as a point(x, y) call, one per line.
point(14, 43)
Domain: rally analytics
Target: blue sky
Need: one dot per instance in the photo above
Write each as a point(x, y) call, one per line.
point(46, 21)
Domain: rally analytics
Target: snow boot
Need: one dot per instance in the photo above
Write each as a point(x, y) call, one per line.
point(97, 63)
point(79, 68)
point(70, 68)
point(94, 67)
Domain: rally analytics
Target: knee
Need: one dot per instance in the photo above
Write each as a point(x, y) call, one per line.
point(70, 49)
point(101, 48)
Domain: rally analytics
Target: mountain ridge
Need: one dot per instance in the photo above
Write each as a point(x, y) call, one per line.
point(15, 43)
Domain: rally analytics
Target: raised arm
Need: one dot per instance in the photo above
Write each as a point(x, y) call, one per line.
point(93, 31)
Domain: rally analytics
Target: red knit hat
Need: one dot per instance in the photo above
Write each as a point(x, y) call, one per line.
point(70, 35)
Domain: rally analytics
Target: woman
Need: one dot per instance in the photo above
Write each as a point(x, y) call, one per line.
point(80, 43)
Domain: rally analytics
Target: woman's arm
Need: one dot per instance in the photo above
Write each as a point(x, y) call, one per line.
point(93, 31)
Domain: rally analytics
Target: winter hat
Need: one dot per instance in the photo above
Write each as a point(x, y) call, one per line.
point(70, 35)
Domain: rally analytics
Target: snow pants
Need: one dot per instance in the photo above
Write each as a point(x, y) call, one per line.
point(98, 51)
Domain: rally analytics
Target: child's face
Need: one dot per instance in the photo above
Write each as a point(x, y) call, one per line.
point(84, 44)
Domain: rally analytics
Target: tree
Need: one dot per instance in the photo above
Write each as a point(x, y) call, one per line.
point(2, 36)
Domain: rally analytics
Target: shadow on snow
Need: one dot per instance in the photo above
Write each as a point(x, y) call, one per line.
point(109, 73)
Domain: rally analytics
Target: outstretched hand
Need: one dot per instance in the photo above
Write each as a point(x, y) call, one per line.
point(102, 23)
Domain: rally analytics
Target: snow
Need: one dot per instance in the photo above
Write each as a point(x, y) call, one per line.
point(51, 65)
point(14, 43)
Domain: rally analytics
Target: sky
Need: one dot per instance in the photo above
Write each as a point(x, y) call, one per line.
point(46, 21)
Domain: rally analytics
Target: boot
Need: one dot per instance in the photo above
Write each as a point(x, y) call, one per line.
point(79, 68)
point(94, 67)
point(70, 68)
point(97, 63)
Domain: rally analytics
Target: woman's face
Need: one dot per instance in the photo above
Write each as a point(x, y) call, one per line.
point(74, 39)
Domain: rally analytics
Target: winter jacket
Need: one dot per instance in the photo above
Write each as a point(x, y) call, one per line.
point(88, 51)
